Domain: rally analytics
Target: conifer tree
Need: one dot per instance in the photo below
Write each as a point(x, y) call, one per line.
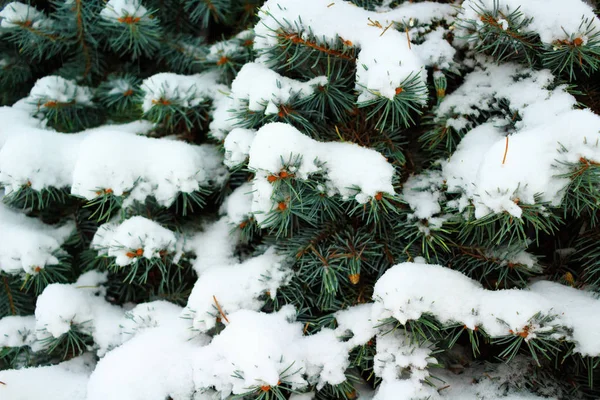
point(299, 199)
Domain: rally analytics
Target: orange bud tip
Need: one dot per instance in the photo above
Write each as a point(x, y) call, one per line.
point(139, 252)
point(129, 20)
point(161, 101)
point(283, 174)
point(223, 60)
point(379, 196)
point(265, 388)
point(130, 254)
point(128, 93)
point(354, 278)
point(37, 269)
point(399, 90)
point(282, 206)
point(272, 178)
point(578, 41)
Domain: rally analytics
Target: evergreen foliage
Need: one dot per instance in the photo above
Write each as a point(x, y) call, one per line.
point(78, 66)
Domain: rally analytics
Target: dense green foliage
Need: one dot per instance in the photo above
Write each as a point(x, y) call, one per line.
point(339, 248)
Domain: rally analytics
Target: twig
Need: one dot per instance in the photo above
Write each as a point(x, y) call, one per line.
point(386, 28)
point(220, 309)
point(10, 298)
point(407, 37)
point(505, 151)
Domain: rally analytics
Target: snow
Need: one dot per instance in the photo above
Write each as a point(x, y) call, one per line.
point(552, 19)
point(115, 9)
point(496, 170)
point(213, 246)
point(351, 170)
point(154, 365)
point(181, 90)
point(379, 71)
point(409, 290)
point(232, 366)
point(51, 159)
point(17, 331)
point(229, 48)
point(16, 118)
point(56, 89)
point(237, 146)
point(62, 306)
point(67, 380)
point(235, 287)
point(147, 316)
point(158, 167)
point(435, 51)
point(357, 321)
point(15, 13)
point(423, 194)
point(125, 241)
point(28, 243)
point(264, 90)
point(238, 205)
point(119, 86)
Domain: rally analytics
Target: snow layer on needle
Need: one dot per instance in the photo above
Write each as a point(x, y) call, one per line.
point(213, 246)
point(265, 90)
point(15, 13)
point(423, 194)
point(396, 356)
point(50, 156)
point(495, 172)
point(16, 119)
point(435, 51)
point(140, 167)
point(162, 360)
point(352, 170)
point(28, 243)
point(235, 287)
point(379, 70)
point(67, 380)
point(56, 89)
point(553, 19)
point(409, 290)
point(17, 331)
point(278, 352)
point(533, 161)
point(150, 315)
point(181, 90)
point(238, 205)
point(357, 321)
point(81, 304)
point(230, 48)
point(237, 146)
point(123, 240)
point(526, 91)
point(116, 9)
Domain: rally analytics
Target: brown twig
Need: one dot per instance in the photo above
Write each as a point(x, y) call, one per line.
point(505, 151)
point(10, 298)
point(296, 39)
point(220, 309)
point(407, 37)
point(80, 33)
